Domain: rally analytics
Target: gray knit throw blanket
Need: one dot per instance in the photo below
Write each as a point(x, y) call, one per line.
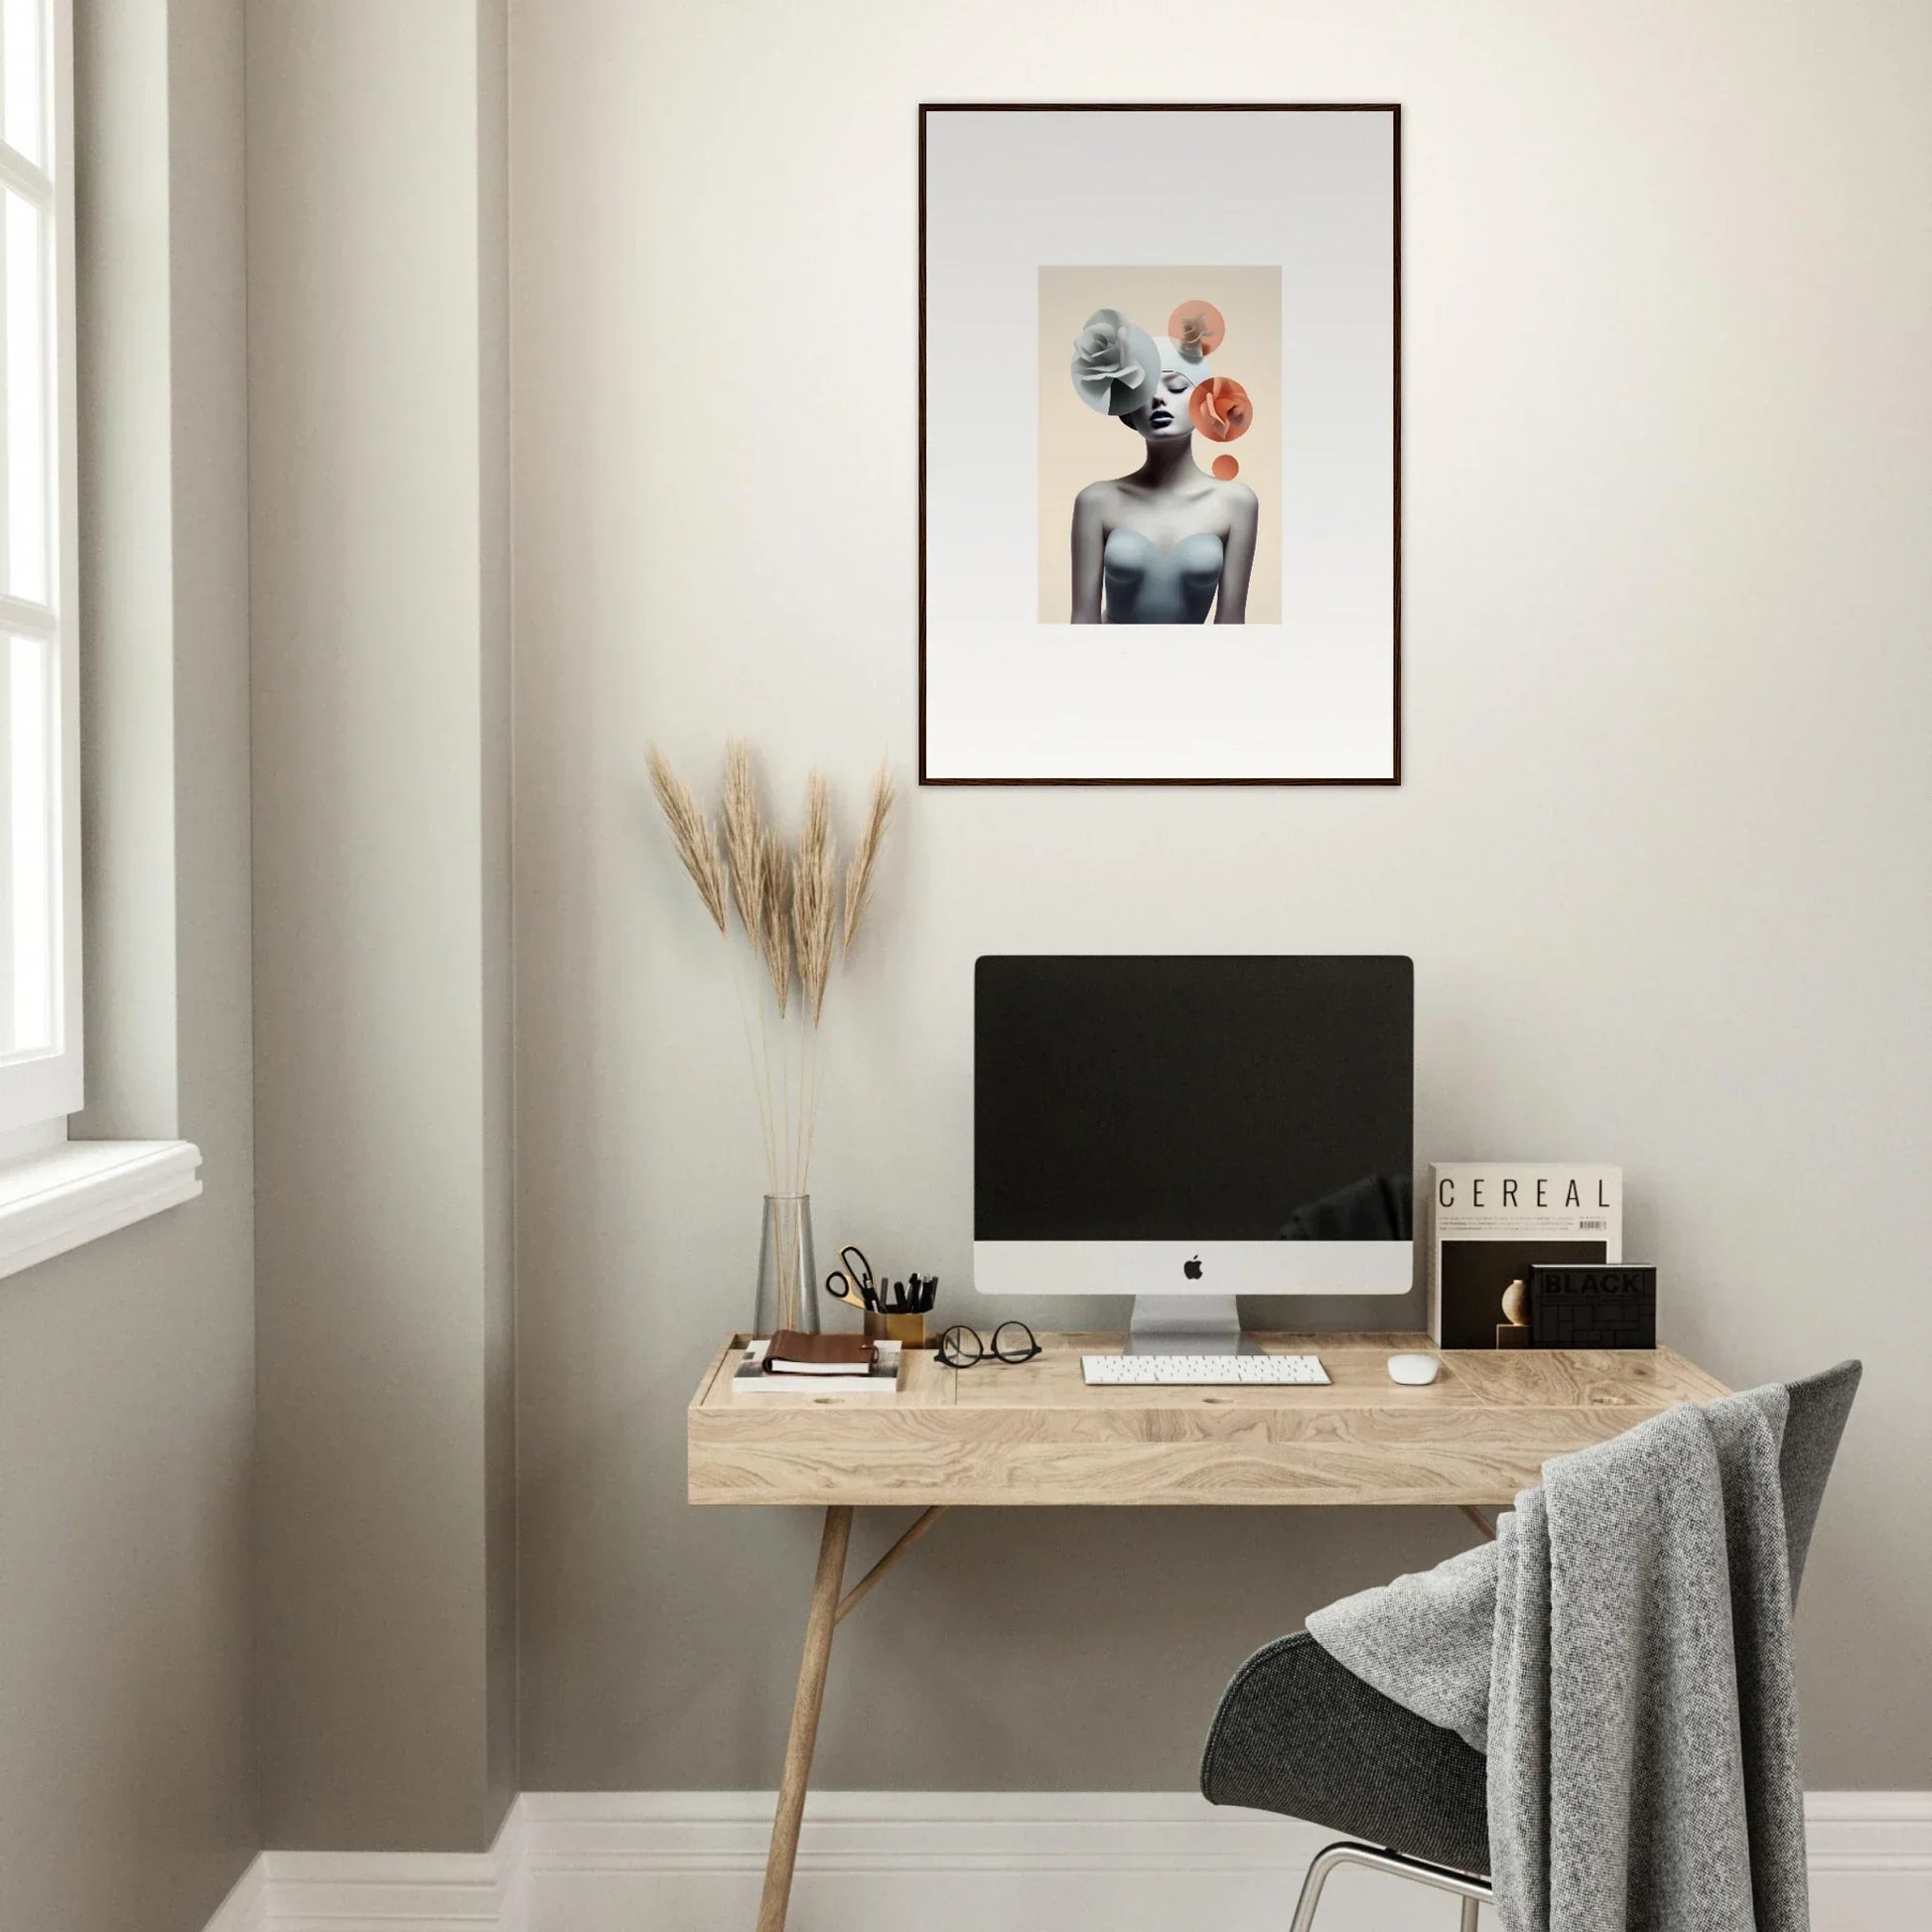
point(1622, 1652)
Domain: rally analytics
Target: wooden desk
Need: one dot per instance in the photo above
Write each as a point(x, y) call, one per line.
point(1032, 1433)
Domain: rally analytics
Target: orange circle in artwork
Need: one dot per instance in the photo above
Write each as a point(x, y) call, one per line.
point(1196, 329)
point(1220, 409)
point(1227, 468)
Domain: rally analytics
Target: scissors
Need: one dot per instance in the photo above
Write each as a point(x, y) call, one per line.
point(852, 1282)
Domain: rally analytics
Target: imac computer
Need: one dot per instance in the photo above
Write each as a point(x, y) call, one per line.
point(1187, 1129)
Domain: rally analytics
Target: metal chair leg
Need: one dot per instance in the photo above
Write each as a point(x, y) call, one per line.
point(1325, 1862)
point(1471, 1890)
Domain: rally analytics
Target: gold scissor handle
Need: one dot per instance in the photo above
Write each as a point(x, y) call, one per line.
point(840, 1287)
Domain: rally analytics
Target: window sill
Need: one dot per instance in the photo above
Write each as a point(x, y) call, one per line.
point(75, 1193)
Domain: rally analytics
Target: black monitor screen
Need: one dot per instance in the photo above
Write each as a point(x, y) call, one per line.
point(1203, 1099)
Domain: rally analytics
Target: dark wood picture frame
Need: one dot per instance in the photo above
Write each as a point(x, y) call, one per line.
point(1391, 108)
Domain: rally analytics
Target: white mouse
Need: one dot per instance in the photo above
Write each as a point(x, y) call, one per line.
point(1415, 1371)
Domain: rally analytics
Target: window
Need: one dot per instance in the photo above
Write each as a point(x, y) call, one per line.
point(54, 1192)
point(40, 884)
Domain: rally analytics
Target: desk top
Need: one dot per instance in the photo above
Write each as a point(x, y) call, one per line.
point(1033, 1434)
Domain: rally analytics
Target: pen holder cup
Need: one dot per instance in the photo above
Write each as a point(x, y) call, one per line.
point(907, 1328)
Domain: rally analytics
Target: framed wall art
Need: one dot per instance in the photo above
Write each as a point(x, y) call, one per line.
point(1159, 445)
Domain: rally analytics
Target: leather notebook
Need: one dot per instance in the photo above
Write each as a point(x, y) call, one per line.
point(793, 1353)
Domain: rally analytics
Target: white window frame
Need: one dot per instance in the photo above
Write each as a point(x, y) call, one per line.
point(39, 1091)
point(56, 1193)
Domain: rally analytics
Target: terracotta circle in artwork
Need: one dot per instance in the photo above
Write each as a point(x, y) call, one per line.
point(1227, 468)
point(1220, 409)
point(1196, 329)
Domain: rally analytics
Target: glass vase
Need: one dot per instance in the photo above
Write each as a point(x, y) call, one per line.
point(787, 1273)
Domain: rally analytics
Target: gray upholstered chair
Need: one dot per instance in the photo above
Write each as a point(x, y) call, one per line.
point(1298, 1734)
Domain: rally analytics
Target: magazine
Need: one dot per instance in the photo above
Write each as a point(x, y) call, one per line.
point(1491, 1219)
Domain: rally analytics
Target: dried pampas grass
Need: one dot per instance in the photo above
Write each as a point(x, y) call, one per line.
point(865, 854)
point(774, 917)
point(691, 833)
point(744, 837)
point(787, 904)
point(814, 894)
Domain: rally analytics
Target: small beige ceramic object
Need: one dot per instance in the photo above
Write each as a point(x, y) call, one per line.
point(1516, 1304)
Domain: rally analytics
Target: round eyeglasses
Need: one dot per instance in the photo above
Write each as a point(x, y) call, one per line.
point(1013, 1341)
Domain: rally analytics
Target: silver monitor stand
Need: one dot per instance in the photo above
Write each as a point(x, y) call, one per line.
point(1187, 1325)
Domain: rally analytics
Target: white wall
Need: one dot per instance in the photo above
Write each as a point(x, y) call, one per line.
point(1660, 855)
point(379, 415)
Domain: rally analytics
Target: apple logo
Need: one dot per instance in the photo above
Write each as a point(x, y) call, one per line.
point(1191, 1269)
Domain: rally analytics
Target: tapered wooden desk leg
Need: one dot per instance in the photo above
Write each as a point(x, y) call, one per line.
point(804, 1720)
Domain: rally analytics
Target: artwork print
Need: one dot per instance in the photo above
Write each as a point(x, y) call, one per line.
point(1151, 487)
point(1160, 467)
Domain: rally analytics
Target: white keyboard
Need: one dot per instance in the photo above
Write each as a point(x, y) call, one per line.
point(1202, 1371)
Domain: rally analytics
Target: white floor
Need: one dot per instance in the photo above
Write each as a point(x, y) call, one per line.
point(956, 1862)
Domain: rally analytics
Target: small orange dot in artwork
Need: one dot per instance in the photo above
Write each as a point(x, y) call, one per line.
point(1227, 468)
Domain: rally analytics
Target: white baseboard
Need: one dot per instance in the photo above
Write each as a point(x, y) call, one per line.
point(1871, 1859)
point(245, 1909)
point(376, 1891)
point(954, 1862)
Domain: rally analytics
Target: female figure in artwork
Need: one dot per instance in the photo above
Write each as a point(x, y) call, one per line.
point(1169, 542)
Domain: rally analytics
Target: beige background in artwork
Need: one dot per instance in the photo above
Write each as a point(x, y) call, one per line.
point(1079, 446)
